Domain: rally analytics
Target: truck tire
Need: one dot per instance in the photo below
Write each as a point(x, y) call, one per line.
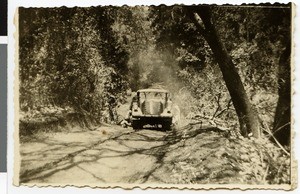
point(136, 125)
point(166, 126)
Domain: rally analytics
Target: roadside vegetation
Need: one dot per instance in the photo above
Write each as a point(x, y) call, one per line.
point(228, 66)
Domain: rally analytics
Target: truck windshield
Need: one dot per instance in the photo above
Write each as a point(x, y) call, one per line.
point(152, 95)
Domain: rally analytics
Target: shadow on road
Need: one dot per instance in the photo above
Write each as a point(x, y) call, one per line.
point(129, 157)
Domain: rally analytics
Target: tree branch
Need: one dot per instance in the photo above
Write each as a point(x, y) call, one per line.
point(218, 102)
point(195, 18)
point(227, 108)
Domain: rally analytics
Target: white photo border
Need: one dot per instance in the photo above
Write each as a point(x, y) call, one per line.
point(12, 6)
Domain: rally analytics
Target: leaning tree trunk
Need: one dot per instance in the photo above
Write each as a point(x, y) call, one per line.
point(248, 118)
point(282, 119)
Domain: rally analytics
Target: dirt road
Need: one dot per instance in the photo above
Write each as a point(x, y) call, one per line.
point(193, 154)
point(108, 154)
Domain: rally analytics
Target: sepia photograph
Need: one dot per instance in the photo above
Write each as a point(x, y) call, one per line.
point(181, 96)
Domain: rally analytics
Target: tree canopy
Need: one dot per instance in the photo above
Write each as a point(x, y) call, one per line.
point(87, 58)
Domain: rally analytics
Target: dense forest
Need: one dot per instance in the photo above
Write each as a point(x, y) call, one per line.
point(227, 64)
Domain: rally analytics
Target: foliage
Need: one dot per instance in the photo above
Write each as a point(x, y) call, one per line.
point(69, 57)
point(256, 44)
point(86, 58)
point(253, 39)
point(225, 159)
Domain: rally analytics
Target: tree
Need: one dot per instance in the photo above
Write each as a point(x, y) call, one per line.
point(71, 57)
point(263, 39)
point(282, 119)
point(251, 38)
point(280, 33)
point(247, 115)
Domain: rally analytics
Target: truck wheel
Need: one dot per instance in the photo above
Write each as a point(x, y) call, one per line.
point(166, 126)
point(136, 125)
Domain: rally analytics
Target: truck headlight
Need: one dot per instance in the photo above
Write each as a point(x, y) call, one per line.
point(135, 107)
point(169, 107)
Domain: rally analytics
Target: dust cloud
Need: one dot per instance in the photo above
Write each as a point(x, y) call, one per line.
point(154, 69)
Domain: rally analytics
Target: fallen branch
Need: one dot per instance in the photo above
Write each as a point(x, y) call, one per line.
point(225, 109)
point(213, 121)
point(279, 128)
point(218, 102)
point(276, 141)
point(265, 174)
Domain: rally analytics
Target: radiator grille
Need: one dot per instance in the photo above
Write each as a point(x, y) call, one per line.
point(152, 108)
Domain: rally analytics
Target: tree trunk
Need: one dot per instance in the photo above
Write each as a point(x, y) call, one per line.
point(282, 119)
point(248, 118)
